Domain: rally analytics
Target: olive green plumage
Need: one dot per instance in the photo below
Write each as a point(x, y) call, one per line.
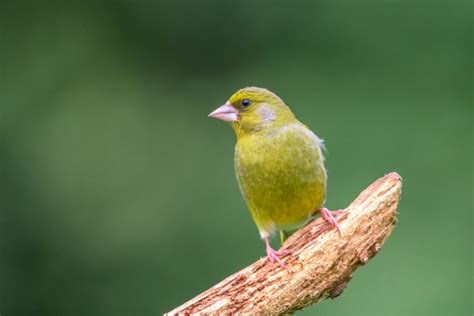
point(278, 162)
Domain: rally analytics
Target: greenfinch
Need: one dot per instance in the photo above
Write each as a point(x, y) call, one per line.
point(279, 164)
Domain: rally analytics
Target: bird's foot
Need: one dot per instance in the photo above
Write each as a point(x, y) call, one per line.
point(275, 255)
point(329, 217)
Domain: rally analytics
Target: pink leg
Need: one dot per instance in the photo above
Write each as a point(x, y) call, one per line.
point(273, 255)
point(329, 217)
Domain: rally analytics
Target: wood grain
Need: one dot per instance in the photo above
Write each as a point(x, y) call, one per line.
point(320, 264)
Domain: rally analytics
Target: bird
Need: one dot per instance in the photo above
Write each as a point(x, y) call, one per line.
point(279, 165)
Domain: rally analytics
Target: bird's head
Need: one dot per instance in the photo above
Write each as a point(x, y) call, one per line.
point(254, 109)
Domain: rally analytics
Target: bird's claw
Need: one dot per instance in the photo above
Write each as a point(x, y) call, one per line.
point(329, 217)
point(274, 256)
point(281, 252)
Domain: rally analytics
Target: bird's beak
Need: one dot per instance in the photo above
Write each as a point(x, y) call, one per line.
point(226, 113)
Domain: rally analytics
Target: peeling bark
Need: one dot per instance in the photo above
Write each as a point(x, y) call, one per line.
point(320, 263)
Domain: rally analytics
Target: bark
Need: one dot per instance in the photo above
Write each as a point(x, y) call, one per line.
point(320, 263)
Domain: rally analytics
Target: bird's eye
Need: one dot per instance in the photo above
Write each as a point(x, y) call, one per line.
point(245, 102)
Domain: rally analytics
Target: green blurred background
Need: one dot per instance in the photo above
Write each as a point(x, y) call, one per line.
point(118, 194)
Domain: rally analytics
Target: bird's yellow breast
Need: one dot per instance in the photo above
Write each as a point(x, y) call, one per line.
point(281, 176)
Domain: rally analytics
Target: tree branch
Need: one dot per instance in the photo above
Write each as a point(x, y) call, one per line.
point(319, 266)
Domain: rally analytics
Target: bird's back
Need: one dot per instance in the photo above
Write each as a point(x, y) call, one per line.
point(281, 175)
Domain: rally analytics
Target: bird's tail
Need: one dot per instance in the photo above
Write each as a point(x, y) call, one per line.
point(285, 234)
